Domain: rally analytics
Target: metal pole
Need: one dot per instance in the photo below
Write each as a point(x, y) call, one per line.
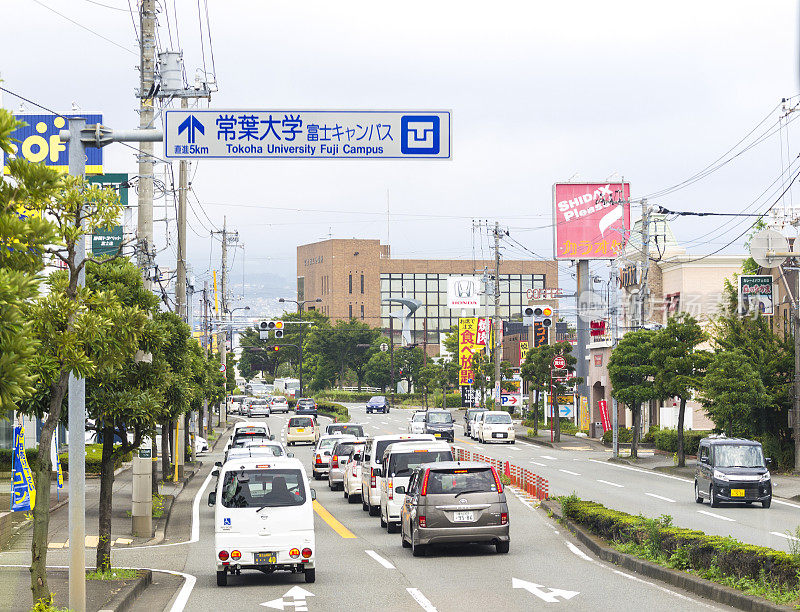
point(496, 324)
point(180, 282)
point(531, 392)
point(391, 352)
point(300, 312)
point(643, 290)
point(223, 408)
point(206, 413)
point(581, 368)
point(614, 332)
point(77, 418)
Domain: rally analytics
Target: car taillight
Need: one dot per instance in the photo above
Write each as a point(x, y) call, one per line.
point(223, 555)
point(294, 553)
point(390, 488)
point(425, 484)
point(421, 520)
point(335, 461)
point(306, 553)
point(504, 518)
point(497, 480)
point(235, 554)
point(372, 478)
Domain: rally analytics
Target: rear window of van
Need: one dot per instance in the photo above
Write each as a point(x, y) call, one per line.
point(480, 480)
point(263, 489)
point(301, 422)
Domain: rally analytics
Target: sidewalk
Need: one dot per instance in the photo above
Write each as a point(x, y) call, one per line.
point(567, 442)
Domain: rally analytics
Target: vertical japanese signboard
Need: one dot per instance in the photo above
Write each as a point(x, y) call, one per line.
point(602, 405)
point(474, 335)
point(23, 489)
point(539, 334)
point(590, 219)
point(755, 294)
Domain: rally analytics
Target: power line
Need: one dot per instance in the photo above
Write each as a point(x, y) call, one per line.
point(80, 25)
point(114, 8)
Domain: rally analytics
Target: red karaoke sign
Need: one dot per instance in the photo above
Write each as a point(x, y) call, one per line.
point(590, 219)
point(559, 363)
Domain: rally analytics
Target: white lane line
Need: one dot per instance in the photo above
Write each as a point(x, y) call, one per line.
point(548, 457)
point(665, 590)
point(568, 472)
point(539, 464)
point(514, 448)
point(785, 535)
point(613, 484)
point(784, 503)
point(661, 497)
point(422, 600)
point(633, 469)
point(379, 559)
point(579, 552)
point(719, 516)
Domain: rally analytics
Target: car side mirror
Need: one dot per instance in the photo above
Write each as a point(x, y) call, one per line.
point(313, 495)
point(703, 459)
point(769, 460)
point(215, 472)
point(290, 454)
point(400, 490)
point(356, 457)
point(218, 463)
point(378, 472)
point(212, 498)
point(272, 437)
point(366, 458)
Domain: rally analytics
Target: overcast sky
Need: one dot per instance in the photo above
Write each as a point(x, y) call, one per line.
point(539, 92)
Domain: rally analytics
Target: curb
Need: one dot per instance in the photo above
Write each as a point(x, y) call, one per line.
point(535, 441)
point(688, 582)
point(125, 600)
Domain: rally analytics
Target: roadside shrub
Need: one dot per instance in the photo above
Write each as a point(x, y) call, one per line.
point(781, 452)
point(650, 436)
point(94, 459)
point(331, 409)
point(624, 436)
point(568, 427)
point(6, 454)
point(667, 440)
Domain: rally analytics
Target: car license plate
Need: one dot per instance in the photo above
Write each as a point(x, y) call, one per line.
point(265, 558)
point(499, 435)
point(300, 430)
point(464, 517)
point(437, 435)
point(737, 492)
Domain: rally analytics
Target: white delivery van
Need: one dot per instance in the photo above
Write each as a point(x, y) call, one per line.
point(263, 518)
point(399, 460)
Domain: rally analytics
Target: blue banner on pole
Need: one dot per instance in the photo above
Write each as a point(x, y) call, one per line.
point(23, 489)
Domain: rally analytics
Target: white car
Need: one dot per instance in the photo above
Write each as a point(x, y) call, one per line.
point(496, 427)
point(259, 407)
point(255, 448)
point(475, 425)
point(416, 424)
point(248, 428)
point(263, 518)
point(351, 482)
point(201, 445)
point(278, 403)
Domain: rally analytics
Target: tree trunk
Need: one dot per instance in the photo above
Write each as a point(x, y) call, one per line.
point(681, 414)
point(103, 561)
point(41, 508)
point(556, 416)
point(635, 414)
point(165, 431)
point(535, 408)
point(186, 441)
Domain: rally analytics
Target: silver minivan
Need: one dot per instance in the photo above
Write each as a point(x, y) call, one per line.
point(454, 502)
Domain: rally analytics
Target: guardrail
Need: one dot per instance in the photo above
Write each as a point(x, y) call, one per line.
point(533, 485)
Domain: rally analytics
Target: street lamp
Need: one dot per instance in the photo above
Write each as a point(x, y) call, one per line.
point(300, 305)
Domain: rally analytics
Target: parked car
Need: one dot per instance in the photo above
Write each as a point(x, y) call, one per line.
point(454, 502)
point(496, 426)
point(302, 429)
point(321, 457)
point(470, 414)
point(416, 423)
point(247, 493)
point(475, 424)
point(350, 429)
point(399, 461)
point(732, 470)
point(377, 403)
point(306, 405)
point(201, 445)
point(351, 483)
point(339, 456)
point(370, 468)
point(278, 403)
point(439, 423)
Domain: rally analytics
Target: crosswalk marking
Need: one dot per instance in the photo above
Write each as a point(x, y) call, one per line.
point(91, 542)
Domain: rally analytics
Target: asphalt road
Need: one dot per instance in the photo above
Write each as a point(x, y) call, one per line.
point(362, 567)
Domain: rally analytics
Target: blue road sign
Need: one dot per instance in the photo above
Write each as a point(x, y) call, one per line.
point(299, 134)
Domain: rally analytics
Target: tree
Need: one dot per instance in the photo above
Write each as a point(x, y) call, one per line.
point(631, 370)
point(230, 372)
point(733, 394)
point(23, 238)
point(79, 331)
point(681, 365)
point(377, 371)
point(407, 365)
point(431, 377)
point(536, 370)
point(338, 346)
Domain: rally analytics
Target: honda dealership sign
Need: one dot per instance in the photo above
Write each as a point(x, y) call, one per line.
point(590, 219)
point(462, 292)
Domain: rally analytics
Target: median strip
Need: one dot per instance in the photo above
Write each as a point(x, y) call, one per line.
point(332, 521)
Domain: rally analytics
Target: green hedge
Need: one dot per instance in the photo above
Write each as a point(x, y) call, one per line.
point(667, 440)
point(685, 549)
point(333, 410)
point(94, 456)
point(338, 395)
point(624, 436)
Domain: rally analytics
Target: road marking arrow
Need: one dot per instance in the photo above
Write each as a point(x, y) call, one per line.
point(550, 595)
point(296, 593)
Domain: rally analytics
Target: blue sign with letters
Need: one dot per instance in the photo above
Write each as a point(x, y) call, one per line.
point(38, 141)
point(298, 134)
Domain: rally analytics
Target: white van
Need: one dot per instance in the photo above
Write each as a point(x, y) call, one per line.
point(263, 517)
point(370, 467)
point(399, 460)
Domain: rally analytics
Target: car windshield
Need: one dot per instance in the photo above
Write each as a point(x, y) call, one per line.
point(497, 418)
point(476, 480)
point(241, 442)
point(440, 417)
point(419, 416)
point(327, 443)
point(250, 431)
point(253, 450)
point(300, 422)
point(377, 399)
point(263, 489)
point(380, 447)
point(731, 455)
point(402, 464)
point(342, 450)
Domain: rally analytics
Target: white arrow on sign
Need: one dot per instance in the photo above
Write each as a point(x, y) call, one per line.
point(548, 595)
point(296, 594)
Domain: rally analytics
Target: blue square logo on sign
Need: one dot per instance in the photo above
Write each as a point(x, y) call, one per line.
point(226, 521)
point(419, 135)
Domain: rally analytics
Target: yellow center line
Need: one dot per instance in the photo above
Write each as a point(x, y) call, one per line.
point(331, 520)
point(466, 442)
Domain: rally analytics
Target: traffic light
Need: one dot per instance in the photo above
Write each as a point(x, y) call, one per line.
point(270, 326)
point(274, 349)
point(537, 314)
point(278, 328)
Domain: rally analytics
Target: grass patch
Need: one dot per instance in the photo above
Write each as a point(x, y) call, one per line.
point(43, 606)
point(158, 505)
point(113, 574)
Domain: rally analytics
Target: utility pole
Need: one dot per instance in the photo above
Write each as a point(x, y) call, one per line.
point(614, 331)
point(497, 325)
point(205, 349)
point(223, 409)
point(643, 289)
point(180, 282)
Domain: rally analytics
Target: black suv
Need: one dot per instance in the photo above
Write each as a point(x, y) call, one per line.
point(440, 424)
point(732, 470)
